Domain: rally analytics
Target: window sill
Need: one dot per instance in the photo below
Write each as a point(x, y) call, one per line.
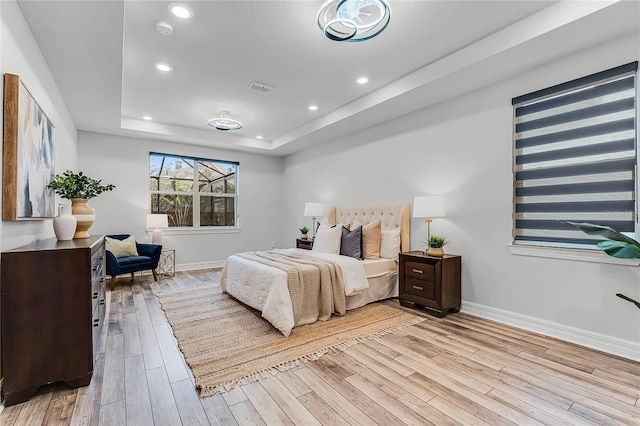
point(196, 231)
point(582, 255)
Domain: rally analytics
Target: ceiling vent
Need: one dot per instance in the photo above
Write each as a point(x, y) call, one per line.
point(260, 87)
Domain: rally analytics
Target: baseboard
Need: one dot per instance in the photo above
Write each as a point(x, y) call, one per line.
point(200, 265)
point(612, 345)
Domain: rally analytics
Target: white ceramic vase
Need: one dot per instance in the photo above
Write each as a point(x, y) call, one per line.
point(64, 225)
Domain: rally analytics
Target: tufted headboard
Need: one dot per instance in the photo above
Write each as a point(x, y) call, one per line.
point(392, 216)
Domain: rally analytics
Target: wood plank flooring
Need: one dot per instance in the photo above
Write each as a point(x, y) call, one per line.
point(456, 370)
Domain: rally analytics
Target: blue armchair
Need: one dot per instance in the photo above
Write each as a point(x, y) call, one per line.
point(148, 258)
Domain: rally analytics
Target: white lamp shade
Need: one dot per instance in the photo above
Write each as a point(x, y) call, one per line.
point(428, 206)
point(157, 221)
point(313, 209)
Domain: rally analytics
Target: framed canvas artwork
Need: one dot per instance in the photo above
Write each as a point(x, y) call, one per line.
point(27, 155)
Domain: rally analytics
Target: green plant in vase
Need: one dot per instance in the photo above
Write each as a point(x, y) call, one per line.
point(305, 232)
point(616, 245)
point(79, 188)
point(435, 245)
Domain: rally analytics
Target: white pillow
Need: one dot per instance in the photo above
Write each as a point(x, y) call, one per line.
point(122, 248)
point(390, 243)
point(328, 239)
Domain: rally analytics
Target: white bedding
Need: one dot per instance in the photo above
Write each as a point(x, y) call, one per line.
point(265, 288)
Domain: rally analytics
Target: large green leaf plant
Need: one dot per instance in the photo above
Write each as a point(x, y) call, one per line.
point(616, 245)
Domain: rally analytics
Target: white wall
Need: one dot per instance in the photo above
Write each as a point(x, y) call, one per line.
point(21, 55)
point(462, 149)
point(124, 162)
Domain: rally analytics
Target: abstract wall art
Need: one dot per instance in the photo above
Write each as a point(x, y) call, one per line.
point(27, 155)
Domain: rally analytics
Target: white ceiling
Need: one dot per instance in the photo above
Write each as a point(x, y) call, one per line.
point(102, 54)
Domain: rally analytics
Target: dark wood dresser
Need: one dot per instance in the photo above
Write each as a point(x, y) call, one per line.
point(52, 312)
point(431, 283)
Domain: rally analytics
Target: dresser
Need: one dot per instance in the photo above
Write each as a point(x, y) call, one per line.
point(430, 283)
point(52, 308)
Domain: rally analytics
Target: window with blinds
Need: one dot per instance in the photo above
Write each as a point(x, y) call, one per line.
point(575, 157)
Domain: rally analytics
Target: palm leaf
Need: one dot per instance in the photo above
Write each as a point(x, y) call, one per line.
point(611, 234)
point(620, 249)
point(628, 299)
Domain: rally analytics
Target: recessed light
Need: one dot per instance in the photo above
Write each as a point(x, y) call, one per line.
point(146, 117)
point(362, 80)
point(180, 10)
point(313, 107)
point(259, 137)
point(164, 67)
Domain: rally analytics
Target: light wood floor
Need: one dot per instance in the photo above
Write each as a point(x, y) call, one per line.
point(456, 370)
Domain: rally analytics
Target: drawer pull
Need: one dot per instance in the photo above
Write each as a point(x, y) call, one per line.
point(102, 301)
point(95, 268)
point(95, 295)
point(418, 271)
point(417, 287)
point(96, 322)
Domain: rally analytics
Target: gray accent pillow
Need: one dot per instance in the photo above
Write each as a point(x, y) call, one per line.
point(351, 242)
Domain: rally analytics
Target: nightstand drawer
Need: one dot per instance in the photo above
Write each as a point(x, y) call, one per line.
point(421, 271)
point(424, 289)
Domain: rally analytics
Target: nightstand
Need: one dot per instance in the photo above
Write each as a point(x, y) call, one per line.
point(304, 244)
point(431, 283)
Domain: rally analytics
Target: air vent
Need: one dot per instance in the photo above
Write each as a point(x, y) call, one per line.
point(260, 87)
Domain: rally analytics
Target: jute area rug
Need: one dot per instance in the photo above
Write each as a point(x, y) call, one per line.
point(226, 343)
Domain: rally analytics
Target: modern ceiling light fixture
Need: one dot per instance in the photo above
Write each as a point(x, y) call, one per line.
point(147, 117)
point(362, 80)
point(180, 10)
point(224, 123)
point(353, 20)
point(313, 107)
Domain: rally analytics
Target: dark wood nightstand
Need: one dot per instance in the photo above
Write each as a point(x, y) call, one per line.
point(431, 283)
point(304, 244)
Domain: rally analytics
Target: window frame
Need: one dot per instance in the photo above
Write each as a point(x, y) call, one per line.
point(196, 195)
point(522, 245)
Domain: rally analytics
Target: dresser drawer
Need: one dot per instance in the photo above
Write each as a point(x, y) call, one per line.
point(97, 264)
point(421, 271)
point(421, 288)
point(97, 287)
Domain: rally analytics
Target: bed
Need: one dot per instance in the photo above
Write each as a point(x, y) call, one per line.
point(264, 280)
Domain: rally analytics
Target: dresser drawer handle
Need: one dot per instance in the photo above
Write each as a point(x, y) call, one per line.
point(418, 271)
point(95, 295)
point(416, 287)
point(95, 268)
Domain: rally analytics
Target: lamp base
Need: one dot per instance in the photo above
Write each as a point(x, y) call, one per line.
point(156, 237)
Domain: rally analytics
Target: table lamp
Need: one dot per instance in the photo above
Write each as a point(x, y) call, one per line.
point(314, 210)
point(157, 221)
point(428, 206)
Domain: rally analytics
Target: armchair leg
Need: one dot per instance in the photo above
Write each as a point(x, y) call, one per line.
point(112, 284)
point(132, 277)
point(155, 274)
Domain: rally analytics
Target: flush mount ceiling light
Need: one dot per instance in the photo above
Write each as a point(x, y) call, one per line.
point(353, 20)
point(146, 117)
point(163, 28)
point(224, 123)
point(362, 80)
point(180, 10)
point(313, 107)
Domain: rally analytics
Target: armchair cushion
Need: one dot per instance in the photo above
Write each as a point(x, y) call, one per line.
point(122, 248)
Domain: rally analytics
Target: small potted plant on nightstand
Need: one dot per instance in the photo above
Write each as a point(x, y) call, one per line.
point(435, 245)
point(305, 232)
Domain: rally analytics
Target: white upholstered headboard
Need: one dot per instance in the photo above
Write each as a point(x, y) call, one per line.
point(392, 216)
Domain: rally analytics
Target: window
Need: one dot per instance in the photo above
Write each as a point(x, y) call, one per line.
point(194, 192)
point(575, 156)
